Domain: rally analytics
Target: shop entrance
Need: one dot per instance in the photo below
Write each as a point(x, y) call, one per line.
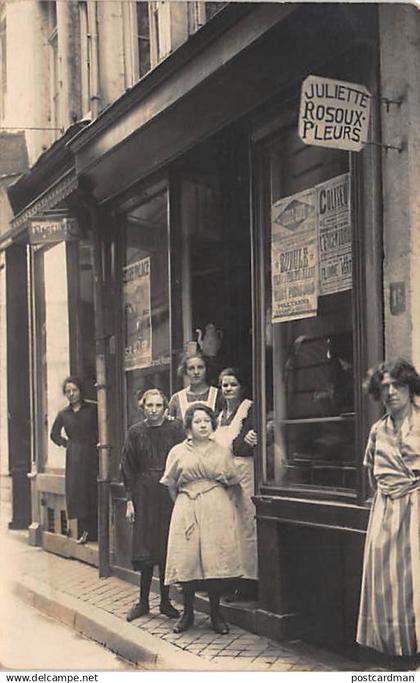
point(214, 261)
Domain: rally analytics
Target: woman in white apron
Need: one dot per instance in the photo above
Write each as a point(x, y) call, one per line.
point(198, 390)
point(235, 432)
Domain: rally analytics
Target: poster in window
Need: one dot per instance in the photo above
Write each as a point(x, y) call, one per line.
point(294, 257)
point(334, 234)
point(137, 315)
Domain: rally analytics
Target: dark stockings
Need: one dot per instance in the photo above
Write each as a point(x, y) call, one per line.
point(187, 617)
point(214, 588)
point(146, 582)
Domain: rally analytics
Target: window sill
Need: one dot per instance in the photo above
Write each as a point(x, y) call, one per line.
point(292, 507)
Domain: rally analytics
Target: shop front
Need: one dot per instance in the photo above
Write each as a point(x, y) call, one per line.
point(207, 223)
point(220, 221)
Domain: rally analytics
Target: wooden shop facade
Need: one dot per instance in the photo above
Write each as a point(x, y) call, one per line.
point(191, 206)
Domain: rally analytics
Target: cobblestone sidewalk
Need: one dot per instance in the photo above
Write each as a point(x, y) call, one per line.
point(239, 650)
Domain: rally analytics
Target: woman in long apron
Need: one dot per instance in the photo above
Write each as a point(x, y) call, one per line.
point(194, 367)
point(203, 546)
point(79, 422)
point(389, 614)
point(235, 432)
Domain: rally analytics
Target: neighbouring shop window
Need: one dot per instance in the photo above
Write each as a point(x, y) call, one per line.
point(308, 315)
point(147, 348)
point(54, 350)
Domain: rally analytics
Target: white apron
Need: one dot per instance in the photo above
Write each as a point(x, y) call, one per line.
point(247, 526)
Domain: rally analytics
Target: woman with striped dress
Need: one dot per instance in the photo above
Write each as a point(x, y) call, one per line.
point(389, 613)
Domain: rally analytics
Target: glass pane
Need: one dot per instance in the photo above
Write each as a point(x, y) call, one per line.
point(56, 343)
point(86, 313)
point(308, 316)
point(143, 36)
point(146, 301)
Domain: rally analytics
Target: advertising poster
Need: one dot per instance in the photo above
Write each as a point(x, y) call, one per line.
point(334, 234)
point(294, 257)
point(137, 314)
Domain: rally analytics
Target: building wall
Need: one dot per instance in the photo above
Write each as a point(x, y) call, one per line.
point(400, 76)
point(27, 78)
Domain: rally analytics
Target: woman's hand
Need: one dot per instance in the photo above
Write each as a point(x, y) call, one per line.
point(130, 515)
point(251, 438)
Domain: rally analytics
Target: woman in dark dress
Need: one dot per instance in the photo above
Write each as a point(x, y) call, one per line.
point(79, 422)
point(149, 505)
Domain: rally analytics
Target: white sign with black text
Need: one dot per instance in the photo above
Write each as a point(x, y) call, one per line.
point(334, 113)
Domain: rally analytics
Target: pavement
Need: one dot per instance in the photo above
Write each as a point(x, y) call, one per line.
point(71, 592)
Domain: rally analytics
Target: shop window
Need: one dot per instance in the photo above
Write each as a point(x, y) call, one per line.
point(54, 342)
point(146, 301)
point(308, 316)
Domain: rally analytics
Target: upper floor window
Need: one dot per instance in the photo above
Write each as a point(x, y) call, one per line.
point(53, 65)
point(143, 37)
point(87, 18)
point(136, 35)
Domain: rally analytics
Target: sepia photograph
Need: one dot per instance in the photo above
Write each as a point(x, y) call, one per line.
point(209, 338)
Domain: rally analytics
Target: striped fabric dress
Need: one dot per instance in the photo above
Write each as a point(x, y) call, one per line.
point(389, 614)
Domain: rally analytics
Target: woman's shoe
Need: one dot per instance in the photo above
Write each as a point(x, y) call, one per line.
point(168, 610)
point(219, 625)
point(83, 538)
point(184, 622)
point(139, 609)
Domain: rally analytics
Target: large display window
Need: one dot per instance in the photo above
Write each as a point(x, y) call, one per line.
point(308, 315)
point(311, 309)
point(146, 302)
point(63, 343)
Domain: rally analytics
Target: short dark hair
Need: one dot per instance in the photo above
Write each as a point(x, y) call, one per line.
point(72, 379)
point(399, 369)
point(182, 368)
point(189, 414)
point(232, 372)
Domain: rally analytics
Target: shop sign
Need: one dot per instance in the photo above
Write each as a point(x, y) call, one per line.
point(294, 257)
point(334, 235)
point(137, 315)
point(334, 113)
point(48, 230)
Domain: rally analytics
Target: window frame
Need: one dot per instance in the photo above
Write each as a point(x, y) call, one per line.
point(367, 277)
point(54, 68)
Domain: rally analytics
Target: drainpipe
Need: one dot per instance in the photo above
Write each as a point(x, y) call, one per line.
point(101, 339)
point(94, 59)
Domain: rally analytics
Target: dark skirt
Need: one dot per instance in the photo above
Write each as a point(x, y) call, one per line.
point(153, 509)
point(81, 479)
